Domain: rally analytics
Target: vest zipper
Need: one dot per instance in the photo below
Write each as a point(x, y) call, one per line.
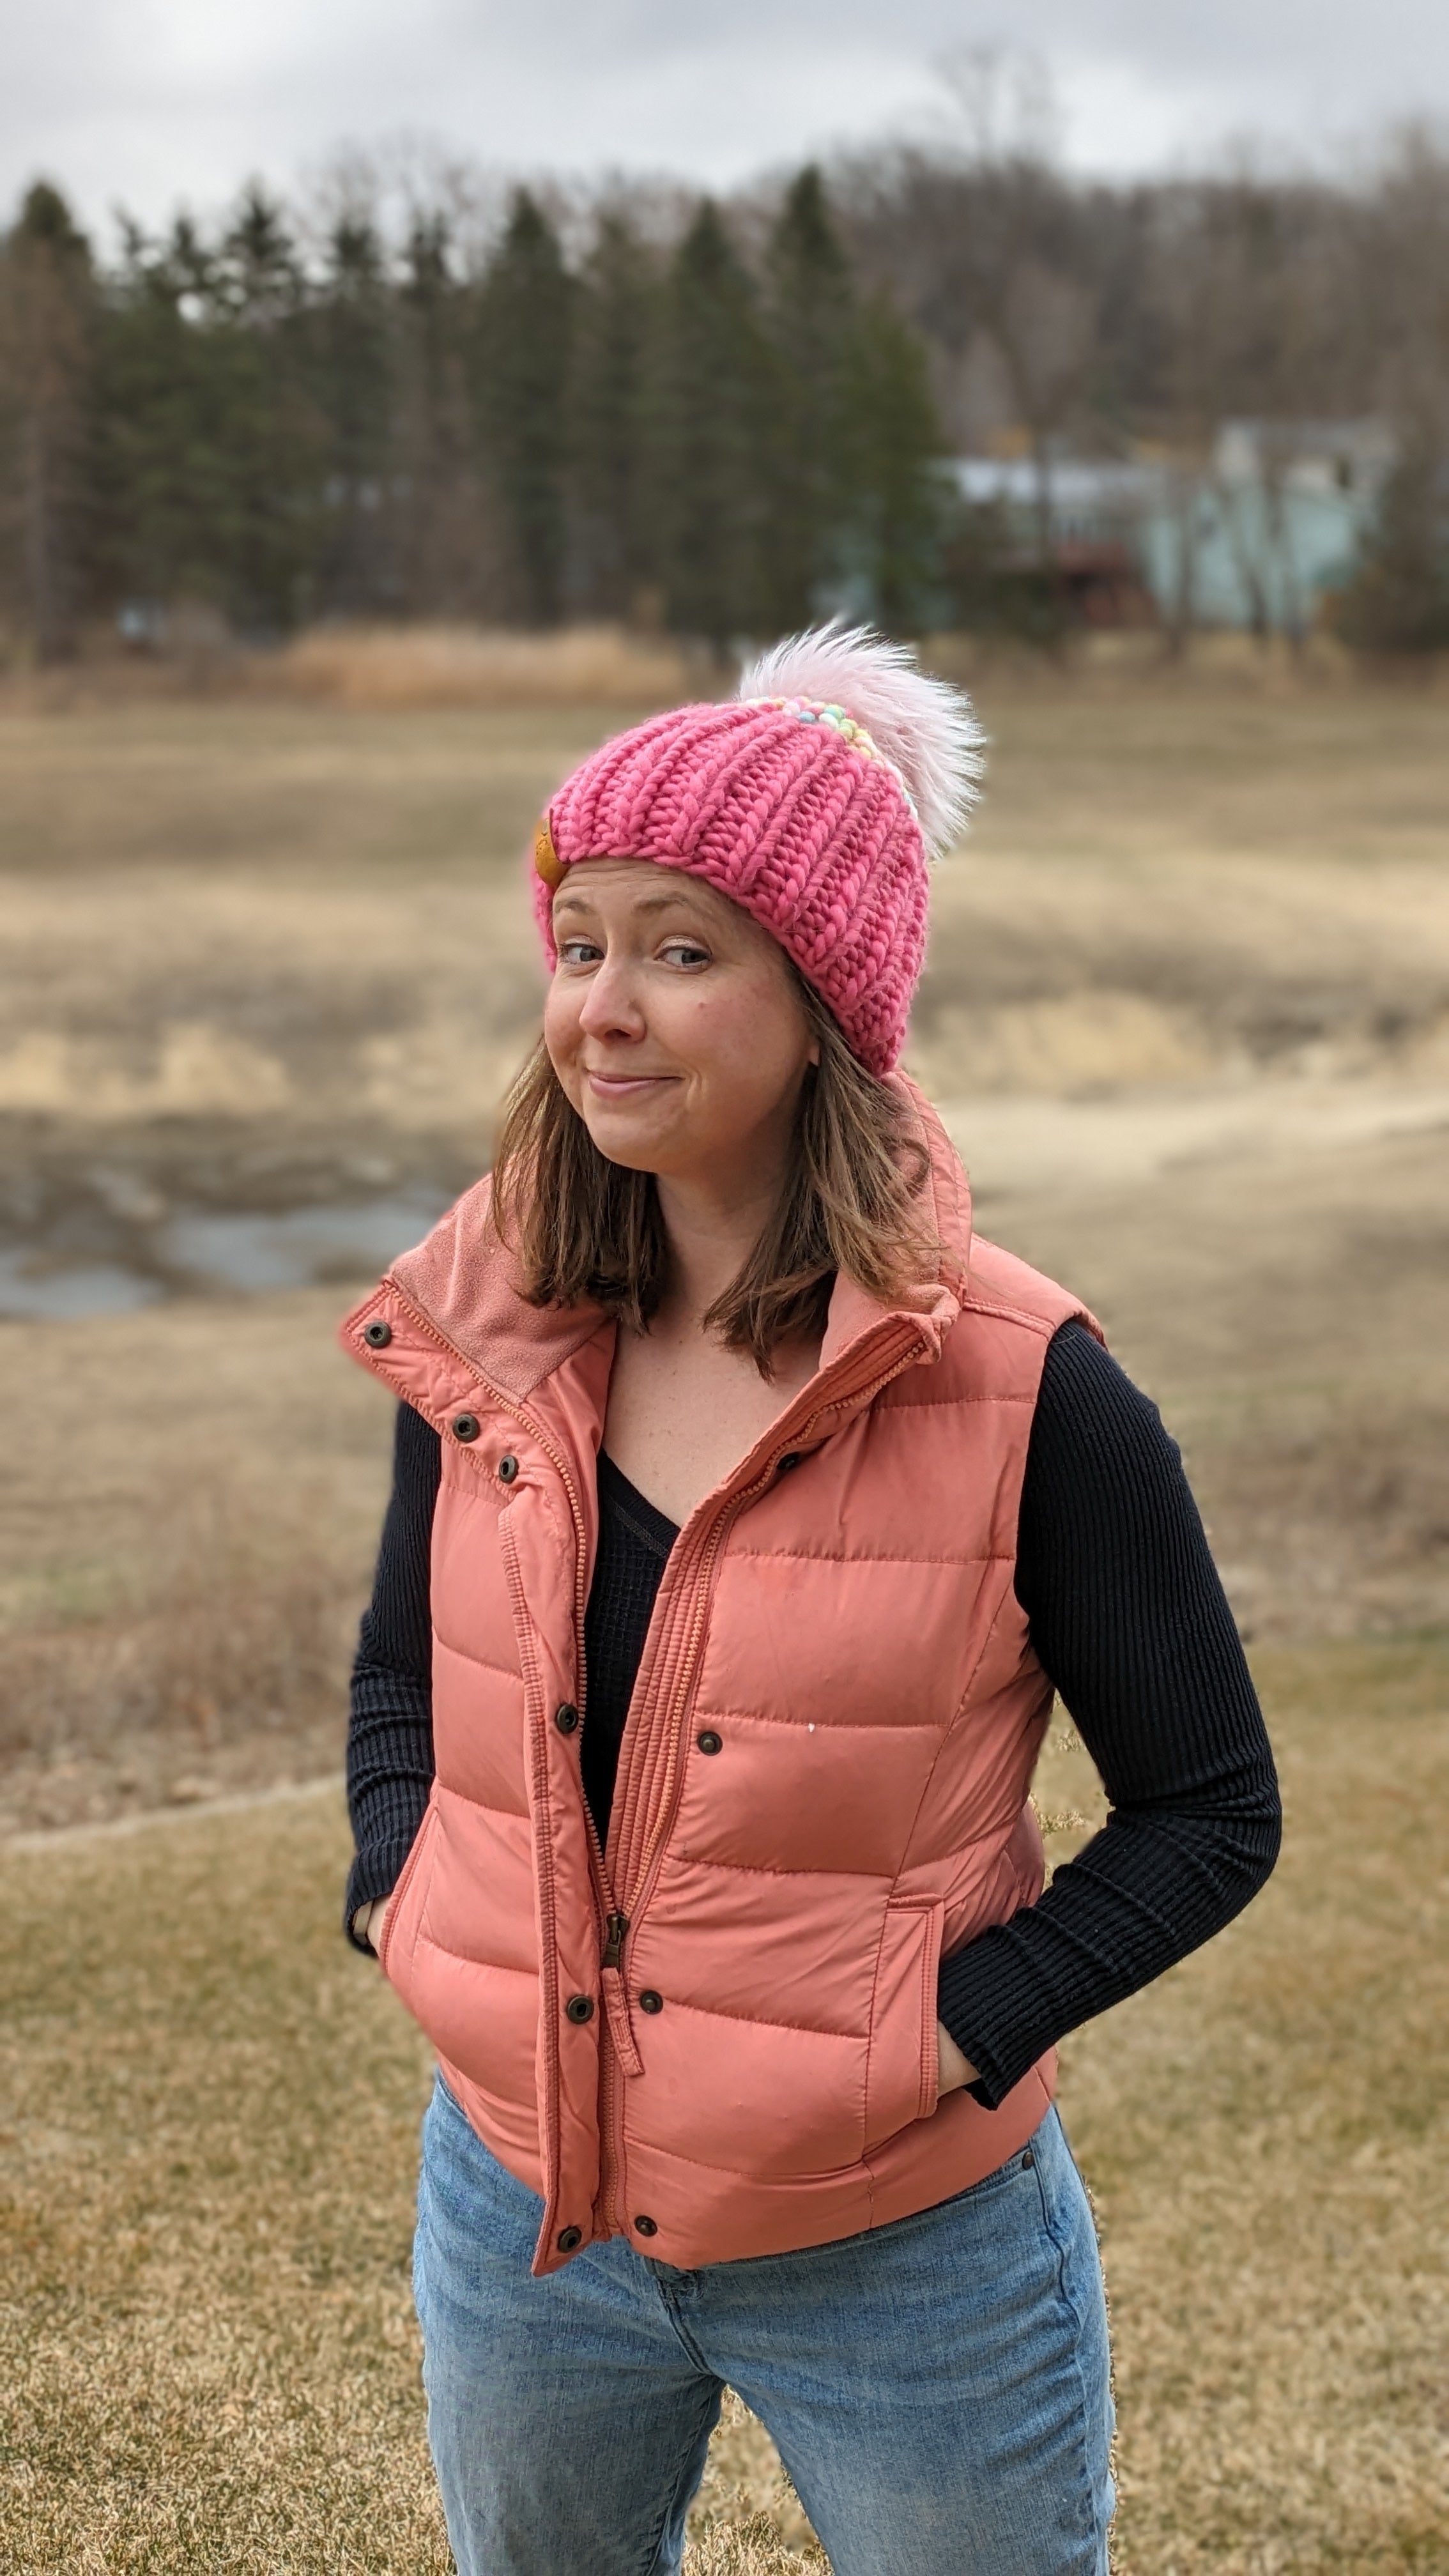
point(616, 2011)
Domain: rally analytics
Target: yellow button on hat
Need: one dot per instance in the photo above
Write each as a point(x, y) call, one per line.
point(546, 860)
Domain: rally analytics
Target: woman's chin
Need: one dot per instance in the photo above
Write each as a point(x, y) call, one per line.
point(638, 1143)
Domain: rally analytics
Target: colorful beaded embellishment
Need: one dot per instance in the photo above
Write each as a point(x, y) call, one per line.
point(816, 711)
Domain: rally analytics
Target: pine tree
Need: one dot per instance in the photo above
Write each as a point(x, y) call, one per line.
point(811, 310)
point(46, 357)
point(612, 433)
point(525, 317)
point(895, 444)
point(164, 478)
point(438, 471)
point(257, 278)
point(716, 371)
point(275, 434)
point(353, 368)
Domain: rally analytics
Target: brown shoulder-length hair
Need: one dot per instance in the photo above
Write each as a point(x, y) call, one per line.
point(588, 1230)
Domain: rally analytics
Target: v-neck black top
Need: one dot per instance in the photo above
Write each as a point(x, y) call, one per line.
point(1127, 1616)
point(634, 1541)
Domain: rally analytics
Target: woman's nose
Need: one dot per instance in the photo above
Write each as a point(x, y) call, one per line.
point(610, 1006)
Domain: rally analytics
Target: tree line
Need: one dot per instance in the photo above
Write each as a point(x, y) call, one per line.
point(715, 417)
point(669, 434)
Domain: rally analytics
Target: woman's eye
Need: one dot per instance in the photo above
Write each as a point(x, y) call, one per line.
point(685, 952)
point(579, 952)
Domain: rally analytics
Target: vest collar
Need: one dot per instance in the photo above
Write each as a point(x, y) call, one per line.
point(946, 1205)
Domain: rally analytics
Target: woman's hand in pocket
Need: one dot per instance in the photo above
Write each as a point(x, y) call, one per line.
point(369, 1920)
point(952, 2069)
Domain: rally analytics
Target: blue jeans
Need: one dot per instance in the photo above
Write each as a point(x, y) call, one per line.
point(938, 2388)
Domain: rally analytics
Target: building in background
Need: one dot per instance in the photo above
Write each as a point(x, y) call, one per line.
point(1271, 529)
point(1257, 537)
point(1081, 516)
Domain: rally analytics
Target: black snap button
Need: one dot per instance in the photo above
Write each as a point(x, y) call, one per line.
point(709, 1742)
point(568, 2238)
point(466, 1426)
point(790, 1459)
point(580, 2007)
point(646, 2226)
point(1027, 2159)
point(650, 2002)
point(377, 1334)
point(566, 1718)
point(507, 1467)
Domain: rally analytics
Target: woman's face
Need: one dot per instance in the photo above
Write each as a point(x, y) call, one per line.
point(673, 1024)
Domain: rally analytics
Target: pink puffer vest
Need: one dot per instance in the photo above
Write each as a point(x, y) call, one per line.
point(718, 2035)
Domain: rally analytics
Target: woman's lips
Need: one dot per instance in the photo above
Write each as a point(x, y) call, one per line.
point(622, 1086)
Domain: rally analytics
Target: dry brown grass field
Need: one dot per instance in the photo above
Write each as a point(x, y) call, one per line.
point(264, 965)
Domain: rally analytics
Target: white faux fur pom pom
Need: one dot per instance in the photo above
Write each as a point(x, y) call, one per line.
point(925, 726)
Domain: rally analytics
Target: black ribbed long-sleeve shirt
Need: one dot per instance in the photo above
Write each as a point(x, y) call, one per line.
point(1130, 1623)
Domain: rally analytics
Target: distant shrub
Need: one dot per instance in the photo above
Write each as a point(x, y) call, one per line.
point(475, 666)
point(1399, 601)
point(996, 585)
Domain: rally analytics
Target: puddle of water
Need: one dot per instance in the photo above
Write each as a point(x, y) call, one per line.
point(252, 1253)
point(100, 1288)
point(291, 1251)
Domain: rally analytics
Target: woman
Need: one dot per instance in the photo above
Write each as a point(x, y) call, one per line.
point(747, 1513)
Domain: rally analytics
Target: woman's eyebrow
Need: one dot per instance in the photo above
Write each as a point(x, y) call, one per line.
point(669, 898)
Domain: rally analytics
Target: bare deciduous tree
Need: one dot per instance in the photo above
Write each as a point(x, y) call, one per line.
point(981, 241)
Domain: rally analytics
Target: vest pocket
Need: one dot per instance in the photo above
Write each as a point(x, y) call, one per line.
point(902, 2069)
point(408, 1898)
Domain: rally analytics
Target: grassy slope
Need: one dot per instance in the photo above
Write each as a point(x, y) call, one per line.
point(213, 2358)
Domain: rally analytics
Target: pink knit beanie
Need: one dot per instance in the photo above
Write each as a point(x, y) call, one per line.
point(814, 799)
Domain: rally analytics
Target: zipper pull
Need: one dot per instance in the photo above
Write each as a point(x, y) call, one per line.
point(616, 2001)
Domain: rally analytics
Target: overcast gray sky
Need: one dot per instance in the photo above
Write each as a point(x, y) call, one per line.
point(157, 101)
